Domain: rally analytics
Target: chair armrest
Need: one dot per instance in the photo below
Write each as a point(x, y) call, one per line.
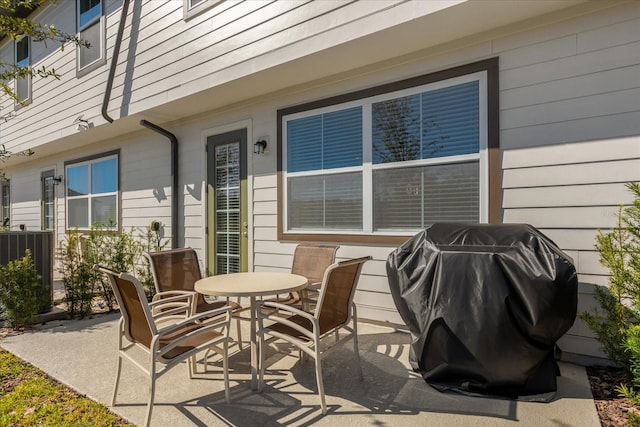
point(197, 317)
point(202, 328)
point(168, 294)
point(315, 286)
point(312, 334)
point(172, 302)
point(283, 307)
point(278, 318)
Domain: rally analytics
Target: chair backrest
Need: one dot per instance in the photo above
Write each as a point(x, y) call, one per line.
point(311, 261)
point(337, 292)
point(136, 314)
point(175, 269)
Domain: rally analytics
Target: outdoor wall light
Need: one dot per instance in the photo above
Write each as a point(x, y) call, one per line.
point(58, 180)
point(259, 146)
point(82, 124)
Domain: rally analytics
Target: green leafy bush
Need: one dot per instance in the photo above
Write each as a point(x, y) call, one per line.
point(19, 288)
point(151, 241)
point(101, 245)
point(78, 275)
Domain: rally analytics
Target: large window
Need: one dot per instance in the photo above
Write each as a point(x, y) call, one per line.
point(91, 28)
point(390, 161)
point(23, 84)
point(5, 203)
point(92, 192)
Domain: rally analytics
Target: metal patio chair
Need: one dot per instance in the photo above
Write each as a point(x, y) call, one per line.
point(167, 343)
point(333, 313)
point(177, 270)
point(310, 261)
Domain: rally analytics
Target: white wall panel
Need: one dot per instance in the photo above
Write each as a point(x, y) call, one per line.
point(569, 195)
point(590, 62)
point(620, 171)
point(574, 239)
point(574, 217)
point(608, 36)
point(265, 233)
point(581, 152)
point(539, 52)
point(617, 79)
point(604, 104)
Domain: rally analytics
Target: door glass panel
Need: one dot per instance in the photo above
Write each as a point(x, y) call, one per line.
point(227, 207)
point(48, 203)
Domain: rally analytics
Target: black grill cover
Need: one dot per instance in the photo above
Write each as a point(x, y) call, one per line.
point(485, 305)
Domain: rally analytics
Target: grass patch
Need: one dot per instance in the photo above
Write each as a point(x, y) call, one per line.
point(28, 397)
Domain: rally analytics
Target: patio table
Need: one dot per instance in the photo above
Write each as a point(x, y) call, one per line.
point(252, 285)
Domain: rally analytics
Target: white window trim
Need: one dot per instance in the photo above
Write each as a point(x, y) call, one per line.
point(192, 11)
point(368, 167)
point(27, 99)
point(6, 183)
point(90, 196)
point(101, 21)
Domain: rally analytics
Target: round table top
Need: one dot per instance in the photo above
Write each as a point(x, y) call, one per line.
point(256, 283)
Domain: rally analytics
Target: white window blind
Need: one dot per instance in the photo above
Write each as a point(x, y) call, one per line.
point(427, 151)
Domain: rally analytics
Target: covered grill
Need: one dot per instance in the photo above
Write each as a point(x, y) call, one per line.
point(485, 305)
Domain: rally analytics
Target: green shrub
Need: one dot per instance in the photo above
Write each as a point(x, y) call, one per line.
point(78, 275)
point(151, 241)
point(117, 251)
point(617, 322)
point(19, 288)
point(619, 303)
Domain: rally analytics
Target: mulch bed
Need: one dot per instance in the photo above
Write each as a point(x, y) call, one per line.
point(612, 409)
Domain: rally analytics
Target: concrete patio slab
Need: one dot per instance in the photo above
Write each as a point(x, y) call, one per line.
point(82, 354)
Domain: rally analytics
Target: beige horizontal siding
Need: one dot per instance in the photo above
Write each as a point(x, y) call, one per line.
point(592, 151)
point(567, 195)
point(619, 171)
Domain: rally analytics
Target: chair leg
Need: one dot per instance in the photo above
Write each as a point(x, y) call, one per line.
point(239, 333)
point(354, 320)
point(152, 392)
point(357, 352)
point(323, 404)
point(191, 362)
point(119, 367)
point(115, 386)
point(225, 368)
point(261, 351)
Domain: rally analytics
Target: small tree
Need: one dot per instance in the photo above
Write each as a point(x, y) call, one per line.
point(19, 286)
point(14, 26)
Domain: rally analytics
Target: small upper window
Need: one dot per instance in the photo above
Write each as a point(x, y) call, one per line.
point(90, 11)
point(91, 29)
point(23, 84)
point(195, 7)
